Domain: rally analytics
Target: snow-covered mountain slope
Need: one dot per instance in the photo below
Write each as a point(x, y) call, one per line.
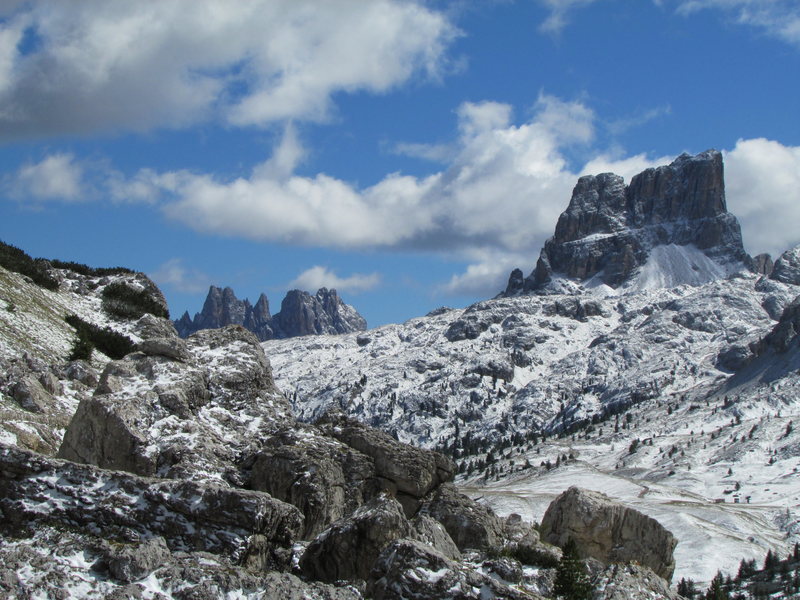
point(649, 364)
point(39, 388)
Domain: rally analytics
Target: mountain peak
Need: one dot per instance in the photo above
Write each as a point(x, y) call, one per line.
point(609, 231)
point(301, 314)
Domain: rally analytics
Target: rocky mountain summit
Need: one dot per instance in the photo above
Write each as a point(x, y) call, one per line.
point(301, 314)
point(652, 360)
point(669, 226)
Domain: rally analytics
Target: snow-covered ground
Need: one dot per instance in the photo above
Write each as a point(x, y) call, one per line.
point(714, 462)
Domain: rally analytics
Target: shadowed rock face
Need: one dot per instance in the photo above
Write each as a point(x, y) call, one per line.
point(300, 314)
point(609, 229)
point(608, 531)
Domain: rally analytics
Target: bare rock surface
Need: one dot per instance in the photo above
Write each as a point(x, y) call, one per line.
point(409, 570)
point(470, 525)
point(180, 414)
point(631, 582)
point(409, 472)
point(608, 531)
point(348, 548)
point(187, 514)
point(787, 267)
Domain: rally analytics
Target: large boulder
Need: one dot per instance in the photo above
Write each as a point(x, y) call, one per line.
point(348, 548)
point(323, 477)
point(608, 531)
point(408, 472)
point(470, 525)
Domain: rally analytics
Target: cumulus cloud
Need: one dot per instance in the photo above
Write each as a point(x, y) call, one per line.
point(118, 65)
point(174, 274)
point(778, 18)
point(497, 164)
point(492, 206)
point(56, 177)
point(762, 182)
point(318, 277)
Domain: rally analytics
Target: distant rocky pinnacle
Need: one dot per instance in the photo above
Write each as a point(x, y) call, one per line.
point(611, 231)
point(300, 314)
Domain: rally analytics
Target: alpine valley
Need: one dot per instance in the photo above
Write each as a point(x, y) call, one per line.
point(619, 423)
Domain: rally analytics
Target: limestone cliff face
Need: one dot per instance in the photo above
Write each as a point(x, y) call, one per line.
point(610, 230)
point(300, 314)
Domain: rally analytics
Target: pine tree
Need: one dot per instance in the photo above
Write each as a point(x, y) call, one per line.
point(686, 588)
point(717, 589)
point(571, 581)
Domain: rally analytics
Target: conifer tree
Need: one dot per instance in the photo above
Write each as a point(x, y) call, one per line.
point(572, 582)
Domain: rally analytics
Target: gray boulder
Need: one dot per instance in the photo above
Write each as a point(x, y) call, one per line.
point(429, 531)
point(169, 347)
point(349, 547)
point(470, 525)
point(409, 570)
point(323, 477)
point(406, 471)
point(631, 582)
point(31, 395)
point(608, 531)
point(133, 562)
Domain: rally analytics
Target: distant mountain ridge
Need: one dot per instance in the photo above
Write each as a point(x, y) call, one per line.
point(669, 226)
point(301, 314)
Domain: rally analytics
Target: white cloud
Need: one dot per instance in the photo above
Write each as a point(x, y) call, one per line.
point(778, 18)
point(559, 9)
point(175, 275)
point(318, 277)
point(56, 177)
point(94, 63)
point(762, 182)
point(493, 206)
point(517, 167)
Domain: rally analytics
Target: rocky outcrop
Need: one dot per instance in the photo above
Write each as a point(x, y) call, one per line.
point(348, 548)
point(185, 409)
point(323, 313)
point(407, 472)
point(608, 531)
point(187, 514)
point(787, 267)
point(470, 525)
point(323, 477)
point(784, 333)
point(300, 314)
point(631, 582)
point(409, 570)
point(609, 230)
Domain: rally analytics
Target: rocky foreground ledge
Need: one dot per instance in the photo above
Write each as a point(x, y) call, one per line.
point(185, 475)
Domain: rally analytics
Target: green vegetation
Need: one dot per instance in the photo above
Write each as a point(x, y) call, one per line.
point(106, 340)
point(14, 259)
point(123, 301)
point(81, 350)
point(89, 271)
point(572, 582)
point(527, 555)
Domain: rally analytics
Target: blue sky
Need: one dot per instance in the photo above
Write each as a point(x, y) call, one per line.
point(409, 154)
